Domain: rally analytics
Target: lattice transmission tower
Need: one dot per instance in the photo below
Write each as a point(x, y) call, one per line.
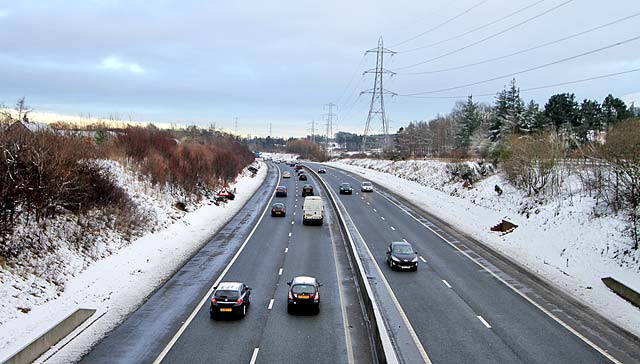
point(376, 109)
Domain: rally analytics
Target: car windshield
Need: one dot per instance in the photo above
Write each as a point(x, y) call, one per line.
point(402, 249)
point(303, 288)
point(345, 185)
point(366, 183)
point(222, 294)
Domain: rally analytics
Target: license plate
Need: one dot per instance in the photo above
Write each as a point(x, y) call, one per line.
point(404, 267)
point(304, 297)
point(226, 310)
point(278, 213)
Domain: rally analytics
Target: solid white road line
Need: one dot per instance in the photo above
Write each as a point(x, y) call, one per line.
point(421, 258)
point(447, 284)
point(280, 272)
point(204, 299)
point(286, 250)
point(484, 322)
point(392, 228)
point(270, 304)
point(254, 357)
point(527, 298)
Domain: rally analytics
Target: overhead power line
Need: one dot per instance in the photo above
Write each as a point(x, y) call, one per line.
point(441, 24)
point(474, 29)
point(533, 88)
point(524, 50)
point(356, 72)
point(528, 69)
point(488, 37)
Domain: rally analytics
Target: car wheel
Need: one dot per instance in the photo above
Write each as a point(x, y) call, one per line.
point(243, 312)
point(284, 214)
point(415, 269)
point(316, 309)
point(289, 308)
point(212, 315)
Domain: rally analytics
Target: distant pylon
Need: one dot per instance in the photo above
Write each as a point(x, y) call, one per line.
point(376, 109)
point(329, 124)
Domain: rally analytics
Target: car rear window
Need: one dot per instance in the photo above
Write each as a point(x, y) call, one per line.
point(221, 294)
point(303, 288)
point(366, 183)
point(402, 249)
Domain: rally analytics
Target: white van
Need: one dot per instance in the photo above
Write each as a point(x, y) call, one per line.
point(312, 210)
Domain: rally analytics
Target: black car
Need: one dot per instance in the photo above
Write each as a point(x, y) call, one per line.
point(322, 171)
point(303, 177)
point(281, 191)
point(230, 299)
point(304, 294)
point(346, 189)
point(278, 209)
point(307, 190)
point(401, 255)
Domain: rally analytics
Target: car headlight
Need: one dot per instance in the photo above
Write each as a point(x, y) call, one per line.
point(414, 260)
point(395, 259)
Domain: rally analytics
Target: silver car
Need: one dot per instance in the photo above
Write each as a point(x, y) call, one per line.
point(366, 187)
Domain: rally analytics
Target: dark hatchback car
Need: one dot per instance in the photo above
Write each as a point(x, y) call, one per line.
point(278, 209)
point(400, 255)
point(230, 299)
point(307, 190)
point(303, 177)
point(304, 294)
point(281, 191)
point(322, 171)
point(346, 189)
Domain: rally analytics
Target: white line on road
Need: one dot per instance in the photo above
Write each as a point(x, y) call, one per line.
point(204, 299)
point(291, 222)
point(374, 210)
point(289, 234)
point(270, 304)
point(294, 212)
point(392, 228)
point(448, 285)
point(254, 357)
point(382, 217)
point(421, 258)
point(405, 240)
point(484, 322)
point(286, 250)
point(280, 272)
point(521, 294)
point(368, 203)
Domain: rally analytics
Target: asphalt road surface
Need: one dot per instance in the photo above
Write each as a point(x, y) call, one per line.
point(279, 249)
point(460, 312)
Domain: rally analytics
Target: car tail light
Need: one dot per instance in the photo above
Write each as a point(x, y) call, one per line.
point(290, 295)
point(239, 301)
point(273, 210)
point(214, 300)
point(317, 297)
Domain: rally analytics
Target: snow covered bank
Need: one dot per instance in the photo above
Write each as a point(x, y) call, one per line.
point(559, 239)
point(119, 283)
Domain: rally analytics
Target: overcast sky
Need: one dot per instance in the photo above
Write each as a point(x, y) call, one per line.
point(279, 62)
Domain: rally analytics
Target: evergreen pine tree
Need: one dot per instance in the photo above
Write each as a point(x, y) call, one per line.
point(469, 122)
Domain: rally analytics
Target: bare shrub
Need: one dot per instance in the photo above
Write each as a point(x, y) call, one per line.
point(531, 162)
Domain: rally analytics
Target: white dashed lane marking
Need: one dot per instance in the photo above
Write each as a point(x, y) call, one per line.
point(254, 357)
point(421, 258)
point(280, 272)
point(382, 217)
point(392, 228)
point(485, 323)
point(270, 304)
point(446, 283)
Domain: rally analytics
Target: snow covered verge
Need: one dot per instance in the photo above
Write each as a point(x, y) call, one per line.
point(560, 239)
point(120, 274)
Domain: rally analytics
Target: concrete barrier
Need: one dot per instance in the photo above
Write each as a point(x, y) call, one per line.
point(384, 351)
point(51, 337)
point(623, 291)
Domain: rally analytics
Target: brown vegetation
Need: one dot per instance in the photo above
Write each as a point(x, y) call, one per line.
point(307, 150)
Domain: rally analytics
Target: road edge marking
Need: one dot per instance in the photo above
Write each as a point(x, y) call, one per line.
point(193, 314)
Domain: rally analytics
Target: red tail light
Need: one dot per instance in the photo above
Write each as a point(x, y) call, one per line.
point(317, 297)
point(214, 300)
point(290, 295)
point(239, 301)
point(273, 210)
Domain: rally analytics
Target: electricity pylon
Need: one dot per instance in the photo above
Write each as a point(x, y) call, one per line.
point(376, 109)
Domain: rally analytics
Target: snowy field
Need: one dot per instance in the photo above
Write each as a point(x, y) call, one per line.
point(558, 239)
point(117, 284)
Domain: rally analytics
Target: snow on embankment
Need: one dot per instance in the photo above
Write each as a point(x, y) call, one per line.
point(121, 274)
point(560, 238)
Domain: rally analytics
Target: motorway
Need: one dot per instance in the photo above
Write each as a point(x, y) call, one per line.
point(460, 311)
point(276, 250)
point(459, 307)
